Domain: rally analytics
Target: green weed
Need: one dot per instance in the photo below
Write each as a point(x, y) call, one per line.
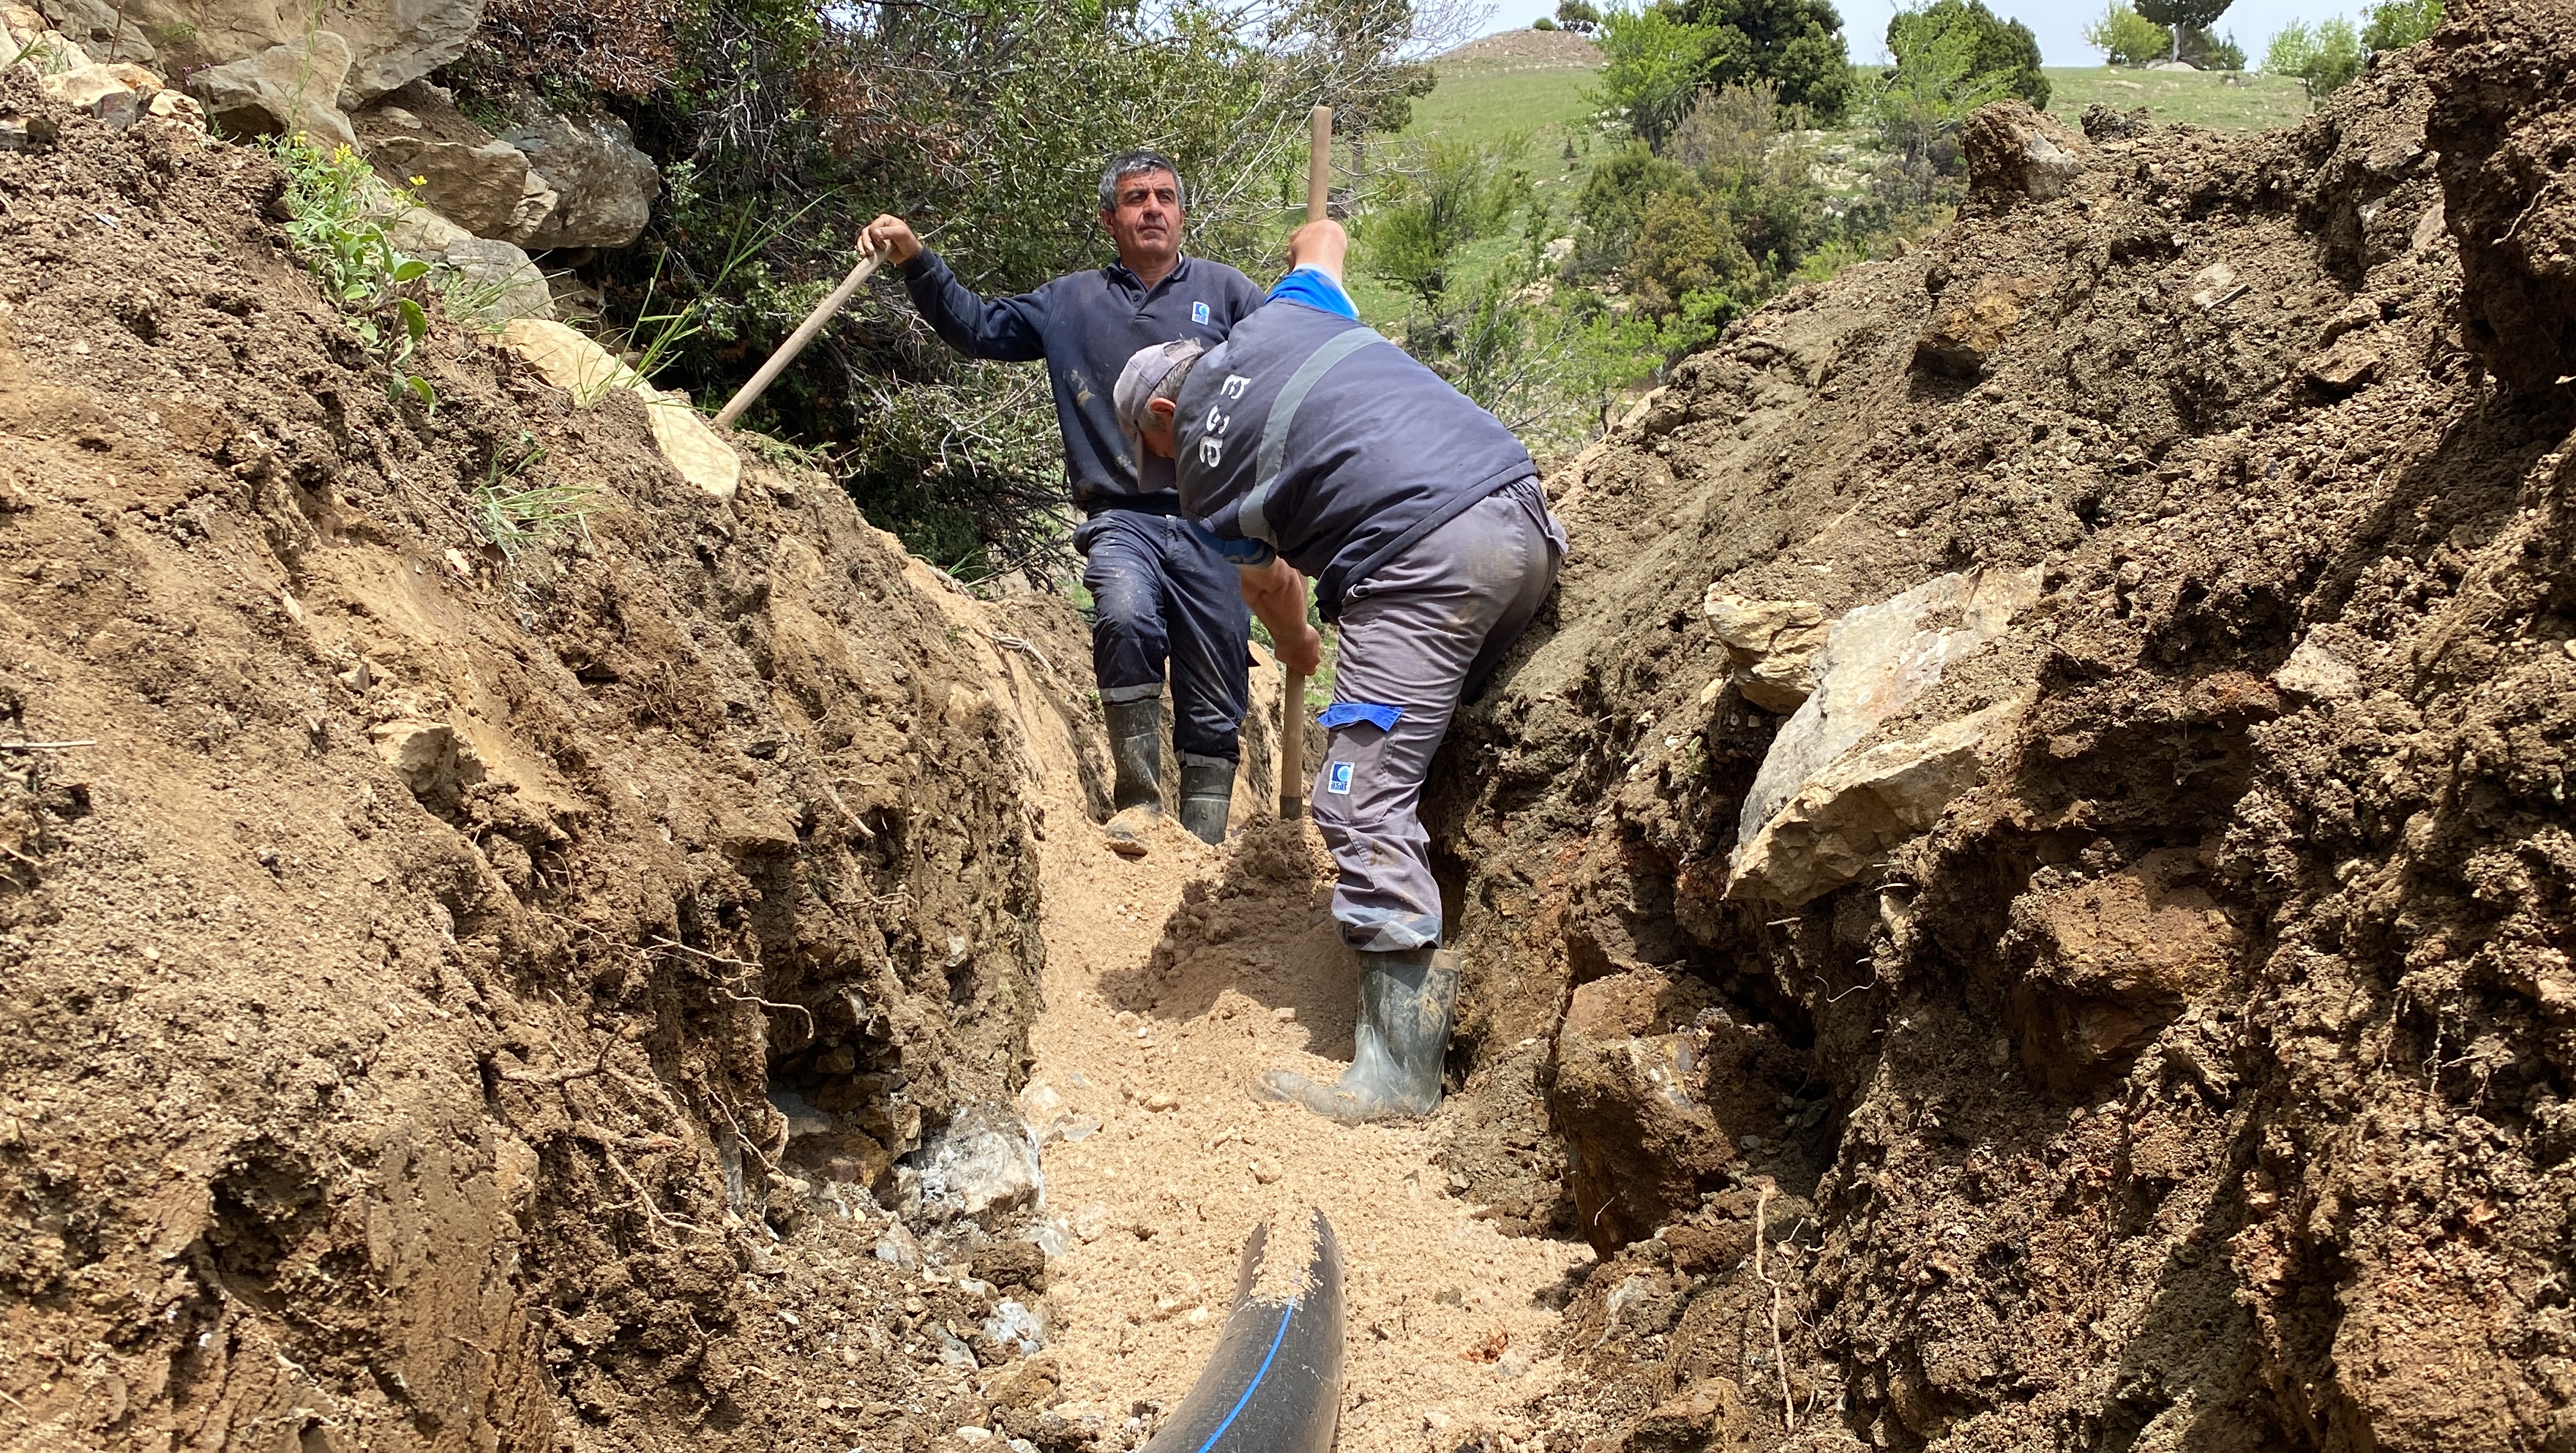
point(336, 226)
point(515, 514)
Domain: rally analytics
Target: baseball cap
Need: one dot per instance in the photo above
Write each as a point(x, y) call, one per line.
point(1145, 371)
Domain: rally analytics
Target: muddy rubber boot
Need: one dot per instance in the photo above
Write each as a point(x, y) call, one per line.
point(1207, 794)
point(1136, 752)
point(1406, 999)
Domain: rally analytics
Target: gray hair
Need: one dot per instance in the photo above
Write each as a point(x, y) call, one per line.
point(1136, 162)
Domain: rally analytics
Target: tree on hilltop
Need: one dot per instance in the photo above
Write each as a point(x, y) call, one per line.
point(2178, 15)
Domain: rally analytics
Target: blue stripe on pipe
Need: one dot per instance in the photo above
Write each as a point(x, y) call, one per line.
point(1276, 1338)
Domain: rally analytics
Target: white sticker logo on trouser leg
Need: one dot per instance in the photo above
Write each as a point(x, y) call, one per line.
point(1338, 780)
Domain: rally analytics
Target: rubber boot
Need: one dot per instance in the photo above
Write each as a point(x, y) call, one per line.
point(1136, 752)
point(1207, 795)
point(1406, 999)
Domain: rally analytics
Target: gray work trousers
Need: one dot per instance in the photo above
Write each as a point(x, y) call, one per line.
point(1419, 635)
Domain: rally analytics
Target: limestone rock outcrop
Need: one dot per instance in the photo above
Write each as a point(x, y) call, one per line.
point(605, 187)
point(284, 89)
point(580, 367)
point(417, 138)
point(1819, 814)
point(388, 43)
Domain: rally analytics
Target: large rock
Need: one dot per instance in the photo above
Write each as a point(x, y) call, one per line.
point(1770, 645)
point(99, 90)
point(2101, 965)
point(284, 89)
point(416, 138)
point(1971, 326)
point(981, 1168)
point(1876, 661)
point(580, 367)
point(107, 32)
point(2012, 148)
point(605, 187)
point(1624, 1094)
point(390, 41)
point(1848, 817)
point(500, 283)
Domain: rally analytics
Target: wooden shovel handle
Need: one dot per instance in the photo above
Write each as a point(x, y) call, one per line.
point(1292, 705)
point(749, 393)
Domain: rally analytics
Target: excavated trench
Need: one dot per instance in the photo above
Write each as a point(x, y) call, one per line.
point(664, 985)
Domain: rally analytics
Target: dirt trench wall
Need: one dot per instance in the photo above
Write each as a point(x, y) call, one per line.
point(2200, 1077)
point(393, 959)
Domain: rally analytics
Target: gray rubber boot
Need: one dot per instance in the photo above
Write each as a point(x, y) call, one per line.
point(1136, 751)
point(1406, 1000)
point(1207, 795)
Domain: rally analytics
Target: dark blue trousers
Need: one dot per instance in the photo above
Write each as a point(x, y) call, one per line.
point(1160, 591)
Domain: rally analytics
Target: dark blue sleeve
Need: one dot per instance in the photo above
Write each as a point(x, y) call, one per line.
point(1011, 330)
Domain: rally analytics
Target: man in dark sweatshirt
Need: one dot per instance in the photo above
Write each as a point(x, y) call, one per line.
point(1159, 588)
point(1310, 446)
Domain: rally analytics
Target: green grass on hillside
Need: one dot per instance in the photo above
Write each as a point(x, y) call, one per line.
point(2219, 100)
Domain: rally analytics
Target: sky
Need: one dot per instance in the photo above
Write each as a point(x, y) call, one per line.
point(2060, 27)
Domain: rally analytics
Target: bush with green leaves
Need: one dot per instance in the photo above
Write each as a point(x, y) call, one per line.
point(2126, 38)
point(1437, 197)
point(2325, 58)
point(2397, 24)
point(1795, 45)
point(2204, 51)
point(2004, 50)
point(1729, 211)
point(1662, 55)
point(1940, 73)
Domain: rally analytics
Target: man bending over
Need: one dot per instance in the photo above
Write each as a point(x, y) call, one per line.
point(1311, 446)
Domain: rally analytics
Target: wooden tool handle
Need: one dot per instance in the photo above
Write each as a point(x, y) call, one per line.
point(1292, 705)
point(750, 392)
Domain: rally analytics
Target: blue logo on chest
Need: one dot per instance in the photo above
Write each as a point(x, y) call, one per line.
point(1199, 314)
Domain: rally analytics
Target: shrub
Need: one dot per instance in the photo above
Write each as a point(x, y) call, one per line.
point(2127, 38)
point(1686, 244)
point(1795, 44)
point(2325, 59)
point(1660, 56)
point(1997, 48)
point(2211, 53)
point(1579, 16)
point(1613, 206)
point(2397, 24)
point(1441, 196)
point(2005, 51)
point(1656, 62)
point(1918, 103)
point(1542, 23)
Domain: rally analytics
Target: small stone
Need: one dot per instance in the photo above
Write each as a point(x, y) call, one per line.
point(2569, 646)
point(25, 133)
point(973, 1436)
point(1267, 1172)
point(1286, 1014)
point(2350, 364)
point(1162, 1102)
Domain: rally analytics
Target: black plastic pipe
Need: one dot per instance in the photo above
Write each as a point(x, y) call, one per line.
point(1275, 1383)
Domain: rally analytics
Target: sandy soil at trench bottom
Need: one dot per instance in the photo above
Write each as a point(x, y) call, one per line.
point(1449, 1330)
